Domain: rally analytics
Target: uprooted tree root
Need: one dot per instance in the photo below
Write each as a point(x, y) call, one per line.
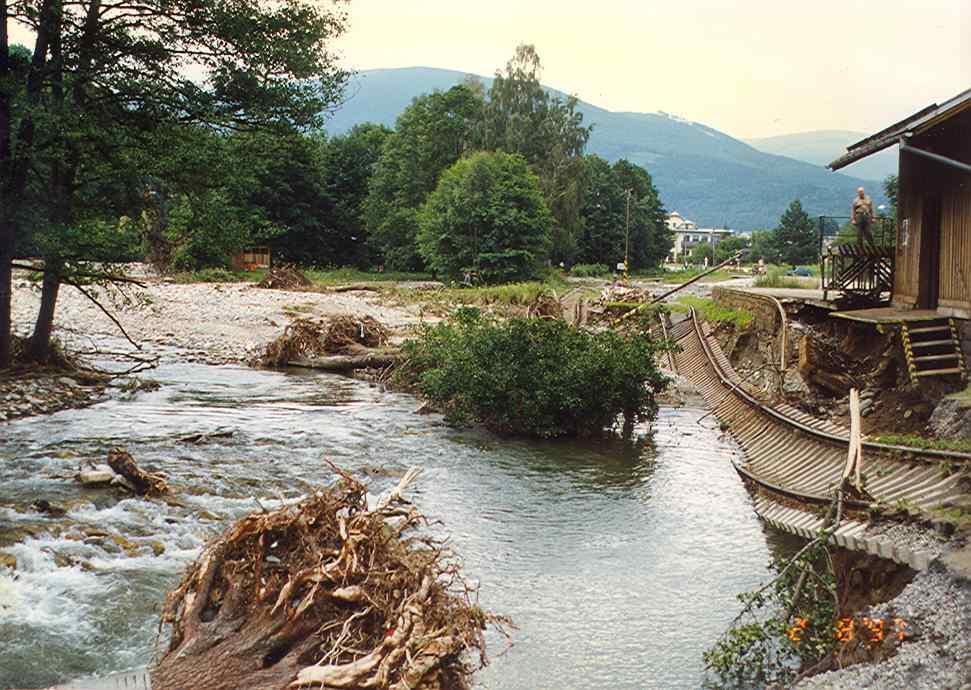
point(284, 277)
point(345, 335)
point(325, 593)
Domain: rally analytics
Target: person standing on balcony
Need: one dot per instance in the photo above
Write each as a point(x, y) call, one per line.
point(863, 215)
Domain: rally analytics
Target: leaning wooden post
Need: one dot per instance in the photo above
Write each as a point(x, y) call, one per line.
point(854, 454)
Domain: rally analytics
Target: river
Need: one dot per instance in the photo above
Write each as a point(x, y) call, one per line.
point(618, 562)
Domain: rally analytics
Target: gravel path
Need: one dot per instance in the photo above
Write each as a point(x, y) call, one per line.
point(209, 322)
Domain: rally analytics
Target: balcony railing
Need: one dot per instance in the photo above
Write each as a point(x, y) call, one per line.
point(860, 270)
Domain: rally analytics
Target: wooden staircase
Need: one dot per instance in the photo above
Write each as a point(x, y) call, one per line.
point(932, 348)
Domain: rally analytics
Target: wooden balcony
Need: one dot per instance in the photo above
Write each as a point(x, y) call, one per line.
point(860, 273)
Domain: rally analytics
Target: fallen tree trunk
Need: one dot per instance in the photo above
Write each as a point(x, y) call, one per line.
point(138, 480)
point(340, 363)
point(325, 593)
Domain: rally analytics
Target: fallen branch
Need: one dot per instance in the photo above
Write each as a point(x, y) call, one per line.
point(341, 363)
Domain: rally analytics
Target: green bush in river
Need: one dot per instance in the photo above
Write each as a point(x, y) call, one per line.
point(533, 377)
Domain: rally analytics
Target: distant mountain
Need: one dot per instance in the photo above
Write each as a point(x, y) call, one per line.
point(823, 146)
point(702, 173)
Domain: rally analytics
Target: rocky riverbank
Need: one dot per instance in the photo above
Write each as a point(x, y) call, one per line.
point(44, 393)
point(937, 607)
point(215, 323)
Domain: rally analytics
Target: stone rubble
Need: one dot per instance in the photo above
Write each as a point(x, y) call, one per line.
point(937, 606)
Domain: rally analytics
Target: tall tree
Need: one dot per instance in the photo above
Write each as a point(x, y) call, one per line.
point(349, 162)
point(104, 73)
point(602, 215)
point(430, 135)
point(521, 117)
point(650, 237)
point(487, 215)
point(795, 240)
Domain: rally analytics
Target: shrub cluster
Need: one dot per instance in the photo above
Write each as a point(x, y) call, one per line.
point(533, 377)
point(590, 271)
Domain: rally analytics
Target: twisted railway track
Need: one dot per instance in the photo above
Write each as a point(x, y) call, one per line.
point(794, 461)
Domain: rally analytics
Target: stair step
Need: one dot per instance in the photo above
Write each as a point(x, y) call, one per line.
point(931, 343)
point(940, 372)
point(931, 358)
point(930, 329)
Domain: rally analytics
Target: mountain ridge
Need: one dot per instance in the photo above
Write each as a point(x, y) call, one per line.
point(704, 174)
point(822, 146)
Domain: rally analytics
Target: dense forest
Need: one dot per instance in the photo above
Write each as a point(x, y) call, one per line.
point(194, 194)
point(112, 151)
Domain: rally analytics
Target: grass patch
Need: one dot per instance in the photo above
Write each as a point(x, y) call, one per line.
point(341, 276)
point(591, 271)
point(217, 275)
point(915, 441)
point(508, 295)
point(712, 311)
point(776, 277)
point(320, 277)
point(678, 277)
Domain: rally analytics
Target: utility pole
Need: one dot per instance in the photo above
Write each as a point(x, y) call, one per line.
point(627, 238)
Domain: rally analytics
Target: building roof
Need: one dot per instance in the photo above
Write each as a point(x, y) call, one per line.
point(918, 123)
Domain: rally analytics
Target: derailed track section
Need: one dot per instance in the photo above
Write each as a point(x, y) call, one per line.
point(797, 460)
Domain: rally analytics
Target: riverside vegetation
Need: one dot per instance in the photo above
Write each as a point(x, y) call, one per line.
point(533, 376)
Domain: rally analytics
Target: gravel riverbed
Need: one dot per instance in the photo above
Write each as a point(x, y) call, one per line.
point(215, 323)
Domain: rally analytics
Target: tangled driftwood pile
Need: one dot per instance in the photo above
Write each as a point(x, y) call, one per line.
point(329, 593)
point(342, 335)
point(284, 277)
point(301, 338)
point(628, 294)
point(347, 334)
point(546, 305)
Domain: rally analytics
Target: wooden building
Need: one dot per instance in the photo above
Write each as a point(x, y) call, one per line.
point(933, 251)
point(931, 297)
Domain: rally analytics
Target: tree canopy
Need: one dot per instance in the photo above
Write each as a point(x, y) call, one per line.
point(105, 75)
point(796, 239)
point(430, 135)
point(487, 215)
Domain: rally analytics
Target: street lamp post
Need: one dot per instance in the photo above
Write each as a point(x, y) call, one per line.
point(627, 238)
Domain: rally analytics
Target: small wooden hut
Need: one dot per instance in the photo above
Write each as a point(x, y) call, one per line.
point(932, 262)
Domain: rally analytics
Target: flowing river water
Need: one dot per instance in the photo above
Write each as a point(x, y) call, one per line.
point(619, 563)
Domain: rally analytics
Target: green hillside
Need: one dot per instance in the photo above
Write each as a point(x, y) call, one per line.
point(704, 174)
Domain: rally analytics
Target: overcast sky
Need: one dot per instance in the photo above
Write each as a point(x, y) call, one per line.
point(747, 67)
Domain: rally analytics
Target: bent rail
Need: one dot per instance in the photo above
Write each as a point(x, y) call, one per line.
point(795, 456)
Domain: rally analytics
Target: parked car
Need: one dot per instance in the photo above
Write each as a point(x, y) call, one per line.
point(800, 272)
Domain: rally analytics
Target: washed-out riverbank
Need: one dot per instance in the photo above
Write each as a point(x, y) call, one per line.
point(618, 565)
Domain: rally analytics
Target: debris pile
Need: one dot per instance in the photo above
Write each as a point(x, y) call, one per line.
point(301, 338)
point(546, 305)
point(342, 335)
point(284, 277)
point(624, 294)
point(348, 334)
point(329, 592)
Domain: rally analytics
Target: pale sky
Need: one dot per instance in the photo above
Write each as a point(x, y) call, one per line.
point(747, 67)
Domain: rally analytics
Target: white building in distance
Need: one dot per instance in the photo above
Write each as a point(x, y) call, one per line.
point(687, 235)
